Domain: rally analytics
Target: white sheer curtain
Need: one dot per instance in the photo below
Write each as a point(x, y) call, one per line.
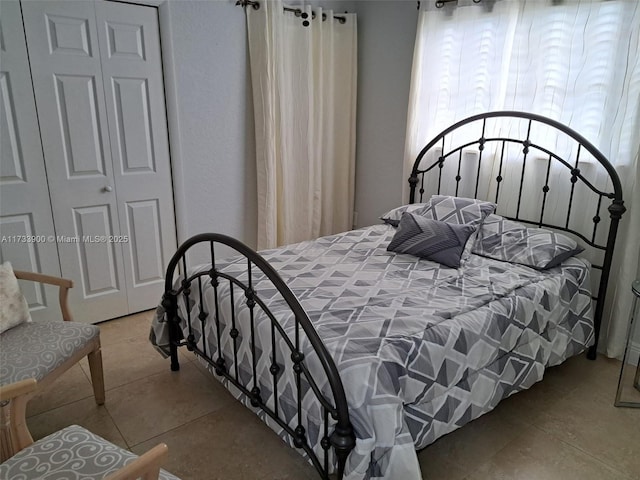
point(304, 94)
point(575, 61)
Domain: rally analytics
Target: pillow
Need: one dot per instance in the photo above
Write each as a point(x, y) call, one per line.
point(13, 307)
point(431, 239)
point(510, 241)
point(458, 210)
point(392, 217)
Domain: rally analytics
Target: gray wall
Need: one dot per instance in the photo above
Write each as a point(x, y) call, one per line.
point(386, 35)
point(210, 117)
point(211, 112)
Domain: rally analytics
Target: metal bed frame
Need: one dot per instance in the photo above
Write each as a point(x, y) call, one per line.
point(616, 208)
point(342, 439)
point(334, 407)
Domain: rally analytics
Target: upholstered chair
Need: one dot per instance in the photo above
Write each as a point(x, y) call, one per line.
point(73, 452)
point(40, 350)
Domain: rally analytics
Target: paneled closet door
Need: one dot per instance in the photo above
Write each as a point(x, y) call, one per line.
point(26, 222)
point(132, 75)
point(64, 53)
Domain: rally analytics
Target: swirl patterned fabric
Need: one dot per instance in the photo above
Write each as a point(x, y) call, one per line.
point(32, 350)
point(71, 453)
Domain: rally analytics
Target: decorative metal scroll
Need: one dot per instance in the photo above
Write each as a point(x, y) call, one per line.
point(334, 410)
point(441, 3)
point(443, 155)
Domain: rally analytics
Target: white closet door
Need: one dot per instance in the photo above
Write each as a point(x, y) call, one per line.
point(26, 223)
point(65, 64)
point(132, 74)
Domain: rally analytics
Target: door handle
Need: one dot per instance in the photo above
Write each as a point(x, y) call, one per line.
point(107, 188)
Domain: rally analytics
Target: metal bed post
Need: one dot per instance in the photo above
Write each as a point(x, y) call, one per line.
point(616, 210)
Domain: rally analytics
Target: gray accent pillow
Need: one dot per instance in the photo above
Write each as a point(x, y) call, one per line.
point(393, 216)
point(431, 239)
point(509, 241)
point(458, 210)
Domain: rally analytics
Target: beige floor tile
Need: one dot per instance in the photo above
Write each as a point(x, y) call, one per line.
point(564, 427)
point(580, 373)
point(536, 455)
point(439, 469)
point(587, 419)
point(71, 386)
point(230, 444)
point(577, 374)
point(148, 407)
point(525, 407)
point(134, 326)
point(84, 413)
point(129, 360)
point(468, 446)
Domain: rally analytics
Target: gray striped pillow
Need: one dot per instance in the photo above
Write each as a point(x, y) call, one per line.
point(431, 239)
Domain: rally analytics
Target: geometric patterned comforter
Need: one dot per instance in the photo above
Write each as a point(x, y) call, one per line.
point(422, 349)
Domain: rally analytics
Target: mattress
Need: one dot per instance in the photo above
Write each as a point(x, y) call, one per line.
point(422, 349)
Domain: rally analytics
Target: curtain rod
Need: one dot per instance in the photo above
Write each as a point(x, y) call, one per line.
point(298, 12)
point(440, 3)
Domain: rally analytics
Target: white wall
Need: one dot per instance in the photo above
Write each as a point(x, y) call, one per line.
point(386, 35)
point(210, 117)
point(210, 110)
point(211, 113)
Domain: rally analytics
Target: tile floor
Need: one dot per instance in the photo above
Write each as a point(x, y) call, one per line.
point(565, 427)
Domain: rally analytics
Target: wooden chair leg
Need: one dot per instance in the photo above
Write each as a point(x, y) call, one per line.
point(97, 376)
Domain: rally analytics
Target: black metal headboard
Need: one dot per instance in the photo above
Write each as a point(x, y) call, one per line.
point(528, 154)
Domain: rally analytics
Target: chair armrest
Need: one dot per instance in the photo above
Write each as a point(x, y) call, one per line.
point(14, 434)
point(146, 467)
point(13, 390)
point(63, 283)
point(41, 278)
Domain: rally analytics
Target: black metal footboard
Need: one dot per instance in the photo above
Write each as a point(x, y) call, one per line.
point(335, 413)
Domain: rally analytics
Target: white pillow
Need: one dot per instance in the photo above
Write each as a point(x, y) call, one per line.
point(13, 306)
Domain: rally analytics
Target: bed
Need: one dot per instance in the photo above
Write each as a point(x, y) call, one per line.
point(359, 356)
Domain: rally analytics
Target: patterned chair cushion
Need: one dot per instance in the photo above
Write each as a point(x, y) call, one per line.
point(71, 453)
point(32, 350)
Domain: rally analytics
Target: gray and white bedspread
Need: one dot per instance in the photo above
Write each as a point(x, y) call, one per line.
point(422, 349)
